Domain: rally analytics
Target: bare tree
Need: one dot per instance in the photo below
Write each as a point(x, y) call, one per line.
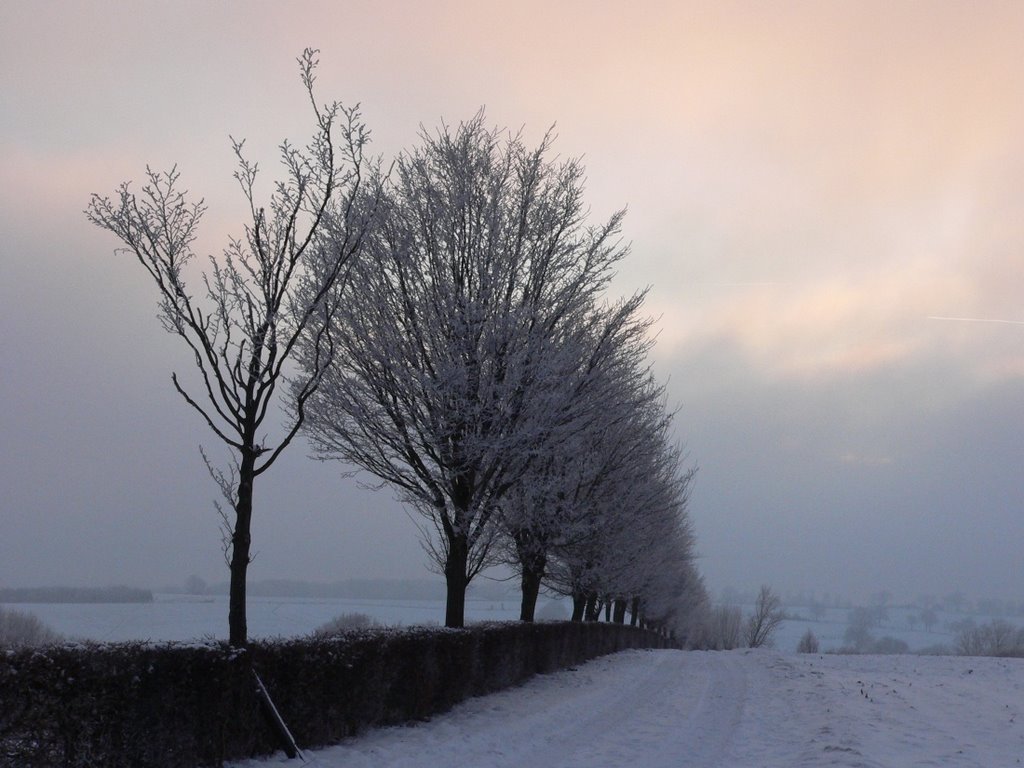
point(817, 610)
point(483, 261)
point(860, 622)
point(265, 296)
point(765, 620)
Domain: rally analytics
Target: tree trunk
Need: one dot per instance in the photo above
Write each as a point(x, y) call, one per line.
point(531, 578)
point(455, 577)
point(579, 603)
point(608, 610)
point(634, 612)
point(241, 539)
point(619, 617)
point(593, 610)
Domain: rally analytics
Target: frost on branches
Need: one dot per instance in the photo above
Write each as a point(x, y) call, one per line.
point(482, 374)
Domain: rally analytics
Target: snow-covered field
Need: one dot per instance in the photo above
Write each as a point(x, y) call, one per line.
point(757, 709)
point(183, 617)
point(737, 709)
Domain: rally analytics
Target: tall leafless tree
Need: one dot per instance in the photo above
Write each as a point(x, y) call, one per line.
point(482, 262)
point(765, 619)
point(264, 298)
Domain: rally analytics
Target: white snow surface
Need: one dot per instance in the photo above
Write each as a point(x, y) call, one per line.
point(756, 709)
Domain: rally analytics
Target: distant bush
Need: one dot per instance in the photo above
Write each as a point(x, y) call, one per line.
point(720, 629)
point(858, 629)
point(723, 627)
point(998, 638)
point(808, 643)
point(21, 630)
point(346, 622)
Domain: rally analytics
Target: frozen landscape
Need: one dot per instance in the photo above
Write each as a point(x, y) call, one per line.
point(186, 617)
point(742, 709)
point(745, 708)
point(177, 617)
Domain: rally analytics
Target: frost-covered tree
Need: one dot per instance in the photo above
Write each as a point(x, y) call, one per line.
point(258, 303)
point(656, 572)
point(555, 502)
point(637, 544)
point(19, 629)
point(665, 589)
point(482, 264)
point(860, 623)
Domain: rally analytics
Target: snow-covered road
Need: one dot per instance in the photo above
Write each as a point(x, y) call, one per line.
point(759, 709)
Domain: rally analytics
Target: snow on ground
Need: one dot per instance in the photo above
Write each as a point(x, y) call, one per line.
point(737, 709)
point(184, 617)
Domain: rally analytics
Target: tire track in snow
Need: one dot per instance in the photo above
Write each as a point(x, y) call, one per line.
point(656, 709)
point(674, 714)
point(735, 709)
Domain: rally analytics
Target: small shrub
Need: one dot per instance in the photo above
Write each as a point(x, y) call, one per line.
point(22, 630)
point(808, 643)
point(720, 629)
point(346, 622)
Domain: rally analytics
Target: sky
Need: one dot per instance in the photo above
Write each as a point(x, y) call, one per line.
point(825, 200)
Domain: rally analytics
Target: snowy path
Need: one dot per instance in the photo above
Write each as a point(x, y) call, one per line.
point(661, 709)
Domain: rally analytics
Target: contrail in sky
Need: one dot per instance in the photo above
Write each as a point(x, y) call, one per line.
point(742, 282)
point(977, 320)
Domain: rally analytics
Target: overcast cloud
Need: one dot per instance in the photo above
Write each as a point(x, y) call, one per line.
point(810, 186)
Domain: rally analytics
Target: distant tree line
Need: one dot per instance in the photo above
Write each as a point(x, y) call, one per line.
point(446, 329)
point(75, 595)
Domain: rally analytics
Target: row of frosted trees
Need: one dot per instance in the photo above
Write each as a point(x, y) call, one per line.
point(444, 327)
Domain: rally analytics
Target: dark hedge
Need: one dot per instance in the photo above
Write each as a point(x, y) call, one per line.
point(187, 705)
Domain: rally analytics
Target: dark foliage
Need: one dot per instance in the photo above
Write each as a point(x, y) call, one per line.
point(178, 706)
